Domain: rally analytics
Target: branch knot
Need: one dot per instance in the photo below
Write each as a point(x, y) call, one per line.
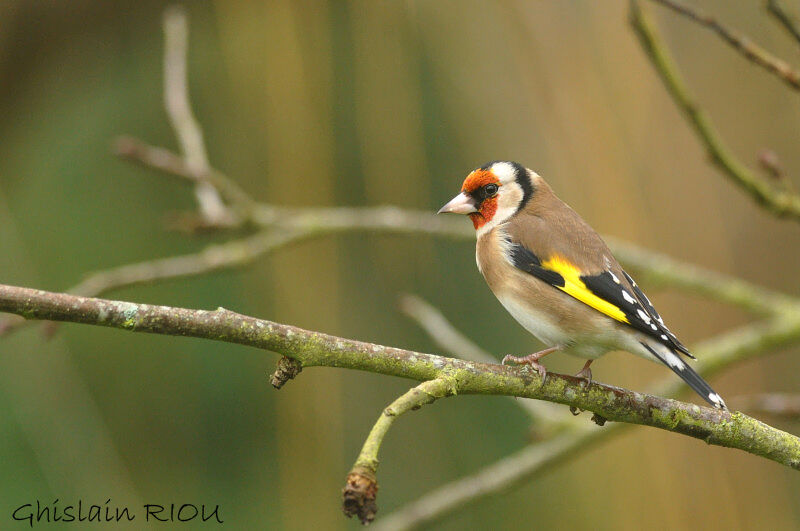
point(287, 369)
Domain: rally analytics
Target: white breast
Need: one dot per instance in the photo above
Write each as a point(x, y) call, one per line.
point(537, 323)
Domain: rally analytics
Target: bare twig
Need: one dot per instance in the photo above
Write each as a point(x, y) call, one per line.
point(361, 485)
point(284, 226)
point(316, 221)
point(740, 43)
point(212, 258)
point(179, 111)
point(657, 267)
point(779, 202)
point(169, 162)
point(786, 20)
point(442, 331)
point(660, 270)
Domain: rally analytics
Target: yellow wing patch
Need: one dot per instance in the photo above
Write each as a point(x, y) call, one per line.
point(574, 286)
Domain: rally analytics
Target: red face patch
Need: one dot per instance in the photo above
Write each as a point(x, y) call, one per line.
point(477, 179)
point(488, 206)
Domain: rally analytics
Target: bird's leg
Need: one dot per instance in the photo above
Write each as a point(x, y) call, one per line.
point(532, 360)
point(586, 372)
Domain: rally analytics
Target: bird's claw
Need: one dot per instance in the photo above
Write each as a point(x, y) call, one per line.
point(586, 374)
point(527, 360)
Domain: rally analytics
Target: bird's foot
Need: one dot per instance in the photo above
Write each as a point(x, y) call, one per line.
point(523, 360)
point(586, 372)
point(532, 360)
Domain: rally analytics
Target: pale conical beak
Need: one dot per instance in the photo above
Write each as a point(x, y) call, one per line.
point(460, 204)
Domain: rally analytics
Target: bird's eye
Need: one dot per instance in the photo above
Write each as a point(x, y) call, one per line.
point(490, 190)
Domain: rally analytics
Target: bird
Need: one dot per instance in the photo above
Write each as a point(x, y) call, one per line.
point(557, 277)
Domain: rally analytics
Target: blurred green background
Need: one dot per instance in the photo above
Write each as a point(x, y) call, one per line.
point(367, 103)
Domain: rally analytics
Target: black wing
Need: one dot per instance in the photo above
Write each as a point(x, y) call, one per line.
point(605, 292)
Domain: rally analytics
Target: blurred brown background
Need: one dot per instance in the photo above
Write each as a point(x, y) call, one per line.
point(367, 103)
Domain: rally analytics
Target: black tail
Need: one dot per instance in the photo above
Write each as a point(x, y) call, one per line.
point(688, 375)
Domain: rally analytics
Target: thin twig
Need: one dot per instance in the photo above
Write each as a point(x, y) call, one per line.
point(442, 331)
point(786, 20)
point(234, 253)
point(361, 485)
point(657, 267)
point(324, 221)
point(169, 162)
point(284, 226)
point(179, 111)
point(660, 270)
point(779, 202)
point(740, 43)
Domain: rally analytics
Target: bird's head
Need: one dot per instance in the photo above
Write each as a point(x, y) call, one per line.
point(492, 194)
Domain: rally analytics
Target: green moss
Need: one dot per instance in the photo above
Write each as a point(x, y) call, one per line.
point(672, 419)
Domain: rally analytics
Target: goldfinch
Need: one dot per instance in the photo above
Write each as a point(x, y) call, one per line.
point(554, 274)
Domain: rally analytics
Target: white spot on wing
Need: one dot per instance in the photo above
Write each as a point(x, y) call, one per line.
point(664, 337)
point(643, 316)
point(653, 326)
point(627, 296)
point(615, 279)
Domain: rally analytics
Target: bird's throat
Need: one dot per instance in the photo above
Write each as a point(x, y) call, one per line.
point(485, 213)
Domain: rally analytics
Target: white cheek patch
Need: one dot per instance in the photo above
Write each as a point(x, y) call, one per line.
point(508, 200)
point(509, 197)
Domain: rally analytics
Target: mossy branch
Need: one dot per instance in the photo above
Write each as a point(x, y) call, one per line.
point(309, 348)
point(714, 354)
point(361, 487)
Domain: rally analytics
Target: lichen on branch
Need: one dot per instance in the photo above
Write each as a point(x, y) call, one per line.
point(310, 349)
